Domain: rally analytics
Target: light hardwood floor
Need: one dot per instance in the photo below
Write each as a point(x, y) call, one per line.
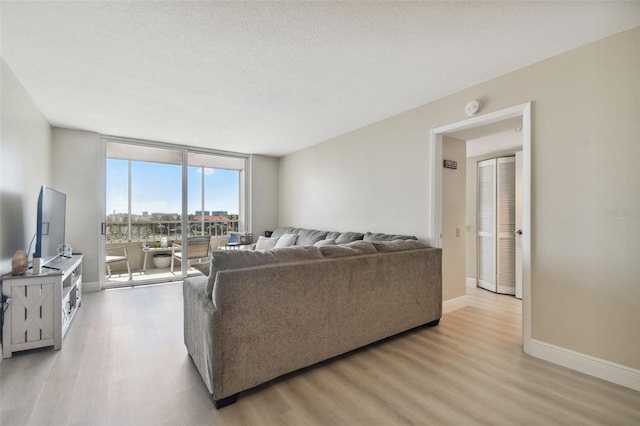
point(123, 363)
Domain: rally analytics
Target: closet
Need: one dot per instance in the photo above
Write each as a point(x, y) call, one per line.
point(496, 225)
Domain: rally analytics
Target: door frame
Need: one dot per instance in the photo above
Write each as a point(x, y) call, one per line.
point(435, 206)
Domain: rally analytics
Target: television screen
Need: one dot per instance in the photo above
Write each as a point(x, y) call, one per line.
point(52, 207)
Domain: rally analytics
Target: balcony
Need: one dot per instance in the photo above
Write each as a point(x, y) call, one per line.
point(152, 233)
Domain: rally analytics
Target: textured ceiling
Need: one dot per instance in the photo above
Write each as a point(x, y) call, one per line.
point(274, 77)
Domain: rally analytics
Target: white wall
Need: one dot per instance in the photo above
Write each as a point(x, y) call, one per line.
point(76, 172)
point(264, 193)
point(25, 165)
point(585, 188)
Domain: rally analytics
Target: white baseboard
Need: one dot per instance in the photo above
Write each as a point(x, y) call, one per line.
point(600, 368)
point(471, 282)
point(90, 287)
point(453, 304)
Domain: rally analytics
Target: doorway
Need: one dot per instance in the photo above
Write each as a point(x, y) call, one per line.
point(522, 113)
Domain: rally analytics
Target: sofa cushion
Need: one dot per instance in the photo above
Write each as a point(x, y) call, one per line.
point(265, 243)
point(351, 249)
point(375, 236)
point(399, 245)
point(296, 253)
point(308, 237)
point(286, 240)
point(322, 243)
point(236, 259)
point(332, 235)
point(347, 237)
point(281, 231)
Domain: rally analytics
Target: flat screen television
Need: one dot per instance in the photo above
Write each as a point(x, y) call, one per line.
point(52, 209)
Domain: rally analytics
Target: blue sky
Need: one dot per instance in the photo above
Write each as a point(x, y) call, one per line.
point(156, 188)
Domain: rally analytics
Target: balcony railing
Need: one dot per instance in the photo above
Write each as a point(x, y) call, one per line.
point(149, 231)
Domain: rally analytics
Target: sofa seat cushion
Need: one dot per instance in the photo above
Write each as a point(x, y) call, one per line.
point(308, 237)
point(399, 245)
point(351, 249)
point(237, 259)
point(375, 236)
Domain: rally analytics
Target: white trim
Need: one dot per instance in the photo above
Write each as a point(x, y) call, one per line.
point(597, 367)
point(435, 208)
point(471, 282)
point(453, 304)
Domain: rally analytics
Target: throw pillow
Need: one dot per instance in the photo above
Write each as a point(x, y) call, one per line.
point(265, 243)
point(286, 240)
point(323, 243)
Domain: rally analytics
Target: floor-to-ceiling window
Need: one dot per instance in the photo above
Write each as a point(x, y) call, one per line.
point(152, 213)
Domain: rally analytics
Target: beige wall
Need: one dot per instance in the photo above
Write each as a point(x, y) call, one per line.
point(585, 188)
point(454, 219)
point(25, 165)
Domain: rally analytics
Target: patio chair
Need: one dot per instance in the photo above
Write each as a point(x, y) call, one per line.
point(197, 249)
point(217, 242)
point(117, 258)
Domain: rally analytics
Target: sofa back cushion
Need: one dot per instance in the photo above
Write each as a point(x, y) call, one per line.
point(281, 231)
point(376, 236)
point(327, 242)
point(399, 245)
point(236, 259)
point(348, 237)
point(308, 237)
point(351, 249)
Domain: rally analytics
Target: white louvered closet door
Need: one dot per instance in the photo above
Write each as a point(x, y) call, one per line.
point(506, 225)
point(486, 217)
point(496, 225)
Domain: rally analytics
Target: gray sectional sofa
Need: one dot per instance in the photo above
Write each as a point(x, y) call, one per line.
point(264, 313)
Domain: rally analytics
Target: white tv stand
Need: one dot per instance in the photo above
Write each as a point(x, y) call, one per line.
point(41, 306)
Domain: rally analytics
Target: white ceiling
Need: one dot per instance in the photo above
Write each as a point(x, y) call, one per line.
point(275, 77)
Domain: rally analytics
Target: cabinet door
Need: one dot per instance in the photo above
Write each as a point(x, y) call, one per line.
point(32, 311)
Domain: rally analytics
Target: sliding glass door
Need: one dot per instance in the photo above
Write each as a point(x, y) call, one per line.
point(165, 205)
